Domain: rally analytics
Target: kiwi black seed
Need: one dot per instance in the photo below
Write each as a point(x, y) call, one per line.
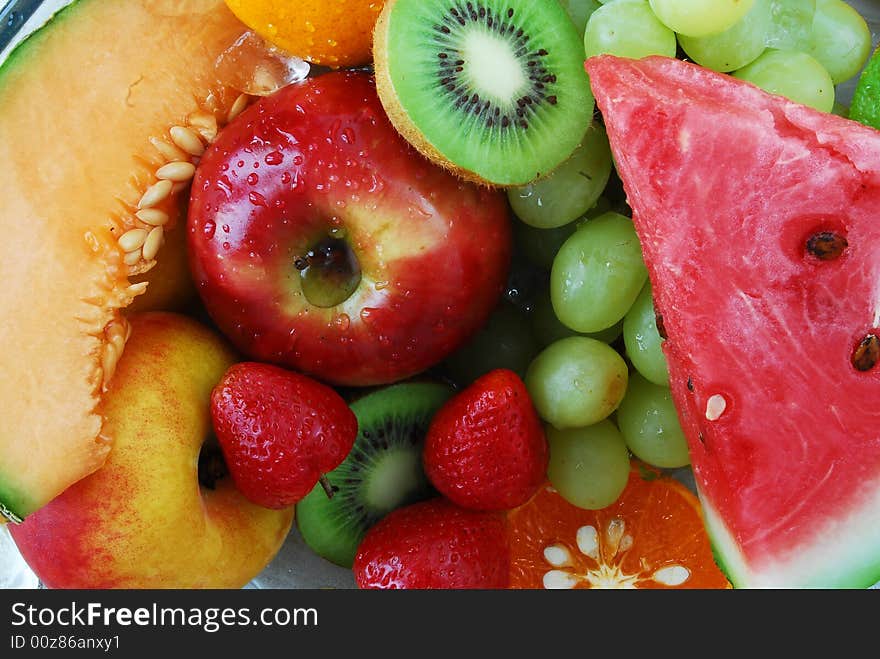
point(492, 89)
point(382, 472)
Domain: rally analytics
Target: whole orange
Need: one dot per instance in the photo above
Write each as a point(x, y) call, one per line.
point(333, 33)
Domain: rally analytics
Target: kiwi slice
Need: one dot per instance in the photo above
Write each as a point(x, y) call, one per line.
point(494, 90)
point(382, 472)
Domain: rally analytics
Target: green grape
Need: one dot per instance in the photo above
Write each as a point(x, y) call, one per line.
point(795, 75)
point(540, 246)
point(791, 25)
point(576, 382)
point(642, 340)
point(547, 329)
point(700, 18)
point(840, 110)
point(735, 47)
point(580, 11)
point(841, 39)
point(589, 467)
point(505, 341)
point(627, 28)
point(597, 274)
point(571, 189)
point(649, 423)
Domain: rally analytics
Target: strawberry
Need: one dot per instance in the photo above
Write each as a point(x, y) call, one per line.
point(279, 431)
point(434, 544)
point(486, 448)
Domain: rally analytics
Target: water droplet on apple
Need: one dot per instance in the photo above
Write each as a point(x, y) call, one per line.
point(343, 322)
point(285, 178)
point(257, 199)
point(381, 285)
point(274, 158)
point(227, 246)
point(225, 228)
point(253, 179)
point(209, 229)
point(368, 315)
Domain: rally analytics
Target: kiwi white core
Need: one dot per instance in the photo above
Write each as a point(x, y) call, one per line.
point(492, 67)
point(393, 478)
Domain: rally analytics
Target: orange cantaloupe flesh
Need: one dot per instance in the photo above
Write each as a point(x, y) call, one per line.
point(79, 101)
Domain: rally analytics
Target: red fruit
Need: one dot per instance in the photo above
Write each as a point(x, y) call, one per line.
point(321, 241)
point(435, 544)
point(486, 448)
point(279, 431)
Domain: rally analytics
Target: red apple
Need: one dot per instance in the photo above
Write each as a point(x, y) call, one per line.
point(321, 241)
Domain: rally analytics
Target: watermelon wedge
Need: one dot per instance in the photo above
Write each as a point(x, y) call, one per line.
point(760, 224)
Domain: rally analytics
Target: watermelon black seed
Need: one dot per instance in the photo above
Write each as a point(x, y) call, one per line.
point(826, 245)
point(867, 353)
point(690, 384)
point(661, 327)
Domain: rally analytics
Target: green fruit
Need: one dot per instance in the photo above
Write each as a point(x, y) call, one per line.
point(495, 91)
point(649, 423)
point(840, 40)
point(571, 189)
point(547, 328)
point(865, 106)
point(580, 11)
point(597, 274)
point(576, 382)
point(628, 28)
point(793, 74)
point(644, 345)
point(589, 467)
point(382, 472)
point(506, 341)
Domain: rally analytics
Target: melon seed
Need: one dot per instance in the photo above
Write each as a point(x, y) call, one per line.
point(867, 353)
point(155, 194)
point(237, 107)
point(187, 139)
point(152, 216)
point(176, 171)
point(132, 258)
point(132, 240)
point(153, 243)
point(827, 245)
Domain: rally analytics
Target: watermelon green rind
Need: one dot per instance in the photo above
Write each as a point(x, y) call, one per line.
point(727, 183)
point(825, 565)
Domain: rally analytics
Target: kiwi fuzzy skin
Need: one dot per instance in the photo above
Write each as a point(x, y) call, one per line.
point(397, 113)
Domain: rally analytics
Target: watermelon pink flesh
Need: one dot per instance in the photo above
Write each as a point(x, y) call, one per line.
point(727, 183)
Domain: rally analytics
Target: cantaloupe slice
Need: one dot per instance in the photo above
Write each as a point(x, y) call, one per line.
point(79, 103)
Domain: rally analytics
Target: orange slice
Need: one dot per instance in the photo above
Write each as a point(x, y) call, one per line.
point(335, 34)
point(651, 537)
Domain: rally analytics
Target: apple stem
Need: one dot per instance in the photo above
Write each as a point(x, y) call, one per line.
point(328, 488)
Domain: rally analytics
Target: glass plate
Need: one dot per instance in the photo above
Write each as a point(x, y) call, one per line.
point(295, 566)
